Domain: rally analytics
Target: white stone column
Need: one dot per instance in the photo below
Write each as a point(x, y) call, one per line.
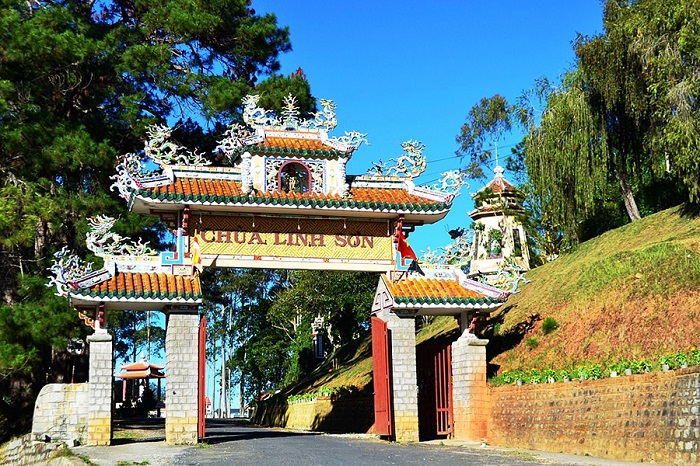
point(181, 356)
point(469, 390)
point(404, 380)
point(99, 426)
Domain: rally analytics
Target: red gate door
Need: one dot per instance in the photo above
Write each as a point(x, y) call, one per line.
point(443, 390)
point(201, 419)
point(382, 386)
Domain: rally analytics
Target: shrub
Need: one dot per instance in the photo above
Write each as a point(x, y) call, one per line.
point(534, 376)
point(667, 359)
point(549, 325)
point(620, 365)
point(694, 356)
point(681, 358)
point(582, 372)
point(565, 374)
point(548, 374)
point(595, 371)
point(532, 342)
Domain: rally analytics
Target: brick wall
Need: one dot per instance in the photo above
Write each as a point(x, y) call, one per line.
point(647, 417)
point(469, 390)
point(99, 412)
point(404, 378)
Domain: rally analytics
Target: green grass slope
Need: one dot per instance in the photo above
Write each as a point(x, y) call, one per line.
point(632, 293)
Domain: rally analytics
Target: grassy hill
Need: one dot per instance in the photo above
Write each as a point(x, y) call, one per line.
point(632, 293)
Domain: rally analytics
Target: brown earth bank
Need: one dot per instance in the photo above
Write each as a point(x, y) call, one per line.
point(631, 293)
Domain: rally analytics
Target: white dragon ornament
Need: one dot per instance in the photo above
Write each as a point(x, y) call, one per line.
point(102, 241)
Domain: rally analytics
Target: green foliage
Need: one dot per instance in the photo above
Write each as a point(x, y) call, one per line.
point(263, 318)
point(532, 342)
point(565, 167)
point(627, 115)
point(620, 365)
point(79, 83)
point(549, 324)
point(593, 371)
point(134, 335)
point(485, 124)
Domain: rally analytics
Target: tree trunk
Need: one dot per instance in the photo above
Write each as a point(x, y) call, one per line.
point(628, 197)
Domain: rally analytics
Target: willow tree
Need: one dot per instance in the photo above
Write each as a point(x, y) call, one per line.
point(566, 157)
point(630, 110)
point(667, 44)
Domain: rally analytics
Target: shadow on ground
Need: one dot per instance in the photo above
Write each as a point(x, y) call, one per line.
point(144, 430)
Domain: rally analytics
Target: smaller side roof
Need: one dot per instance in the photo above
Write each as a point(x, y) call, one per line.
point(447, 292)
point(141, 291)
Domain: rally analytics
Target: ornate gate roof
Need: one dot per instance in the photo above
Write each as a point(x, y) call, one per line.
point(252, 173)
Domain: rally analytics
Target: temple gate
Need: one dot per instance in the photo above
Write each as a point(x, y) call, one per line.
point(278, 198)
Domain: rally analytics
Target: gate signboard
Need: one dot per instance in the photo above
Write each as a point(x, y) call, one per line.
point(268, 242)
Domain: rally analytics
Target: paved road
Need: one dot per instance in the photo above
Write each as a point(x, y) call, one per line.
point(235, 444)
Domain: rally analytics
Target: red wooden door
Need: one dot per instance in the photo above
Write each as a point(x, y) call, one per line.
point(443, 390)
point(201, 419)
point(382, 385)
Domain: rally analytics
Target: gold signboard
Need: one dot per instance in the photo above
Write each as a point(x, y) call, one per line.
point(269, 242)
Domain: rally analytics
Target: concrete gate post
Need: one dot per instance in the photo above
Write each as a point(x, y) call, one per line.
point(469, 390)
point(99, 425)
point(181, 356)
point(404, 380)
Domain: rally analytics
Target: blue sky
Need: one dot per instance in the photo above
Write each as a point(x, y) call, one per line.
point(400, 70)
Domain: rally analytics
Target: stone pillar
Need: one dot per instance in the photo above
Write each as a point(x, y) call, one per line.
point(181, 356)
point(469, 390)
point(99, 425)
point(404, 380)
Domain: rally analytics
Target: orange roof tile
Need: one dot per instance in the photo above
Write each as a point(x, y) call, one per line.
point(501, 185)
point(146, 286)
point(229, 192)
point(293, 143)
point(430, 288)
point(435, 291)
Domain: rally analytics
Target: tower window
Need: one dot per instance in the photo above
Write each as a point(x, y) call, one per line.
point(517, 243)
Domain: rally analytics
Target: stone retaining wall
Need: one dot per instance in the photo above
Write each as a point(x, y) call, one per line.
point(647, 417)
point(61, 413)
point(23, 451)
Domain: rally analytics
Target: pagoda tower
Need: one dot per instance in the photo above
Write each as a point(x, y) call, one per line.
point(500, 240)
